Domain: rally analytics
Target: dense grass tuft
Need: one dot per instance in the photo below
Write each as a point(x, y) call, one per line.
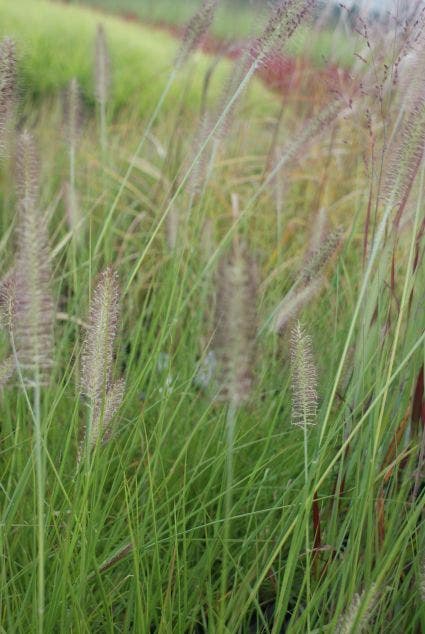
point(157, 252)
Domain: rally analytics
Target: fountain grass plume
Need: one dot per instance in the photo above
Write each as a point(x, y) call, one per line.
point(285, 17)
point(104, 396)
point(236, 324)
point(294, 302)
point(322, 254)
point(102, 66)
point(195, 31)
point(304, 378)
point(7, 89)
point(72, 112)
point(404, 156)
point(33, 312)
point(7, 370)
point(7, 300)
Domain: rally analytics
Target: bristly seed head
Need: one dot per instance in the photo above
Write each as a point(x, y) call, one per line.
point(7, 300)
point(33, 312)
point(98, 351)
point(294, 302)
point(7, 370)
point(7, 88)
point(72, 113)
point(195, 31)
point(102, 78)
point(320, 258)
point(405, 156)
point(304, 378)
point(236, 324)
point(27, 171)
point(284, 20)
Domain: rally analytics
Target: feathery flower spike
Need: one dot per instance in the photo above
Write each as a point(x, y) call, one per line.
point(33, 313)
point(72, 113)
point(96, 377)
point(102, 66)
point(7, 87)
point(195, 31)
point(304, 378)
point(236, 324)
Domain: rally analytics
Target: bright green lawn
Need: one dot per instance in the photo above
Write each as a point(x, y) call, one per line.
point(55, 43)
point(236, 19)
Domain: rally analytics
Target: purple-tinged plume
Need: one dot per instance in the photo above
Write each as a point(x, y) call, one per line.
point(7, 88)
point(7, 300)
point(33, 312)
point(103, 395)
point(196, 30)
point(405, 156)
point(284, 20)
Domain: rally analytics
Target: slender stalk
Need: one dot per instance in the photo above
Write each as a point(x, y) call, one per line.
point(72, 202)
point(40, 479)
point(307, 538)
point(103, 133)
point(228, 501)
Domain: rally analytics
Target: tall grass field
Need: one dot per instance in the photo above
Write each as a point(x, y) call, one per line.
point(212, 292)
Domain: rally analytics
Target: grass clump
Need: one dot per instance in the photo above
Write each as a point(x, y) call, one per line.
point(207, 510)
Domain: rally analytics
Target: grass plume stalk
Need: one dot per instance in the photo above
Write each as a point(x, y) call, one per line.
point(235, 343)
point(32, 323)
point(304, 414)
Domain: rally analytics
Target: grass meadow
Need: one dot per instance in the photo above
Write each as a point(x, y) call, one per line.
point(212, 338)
